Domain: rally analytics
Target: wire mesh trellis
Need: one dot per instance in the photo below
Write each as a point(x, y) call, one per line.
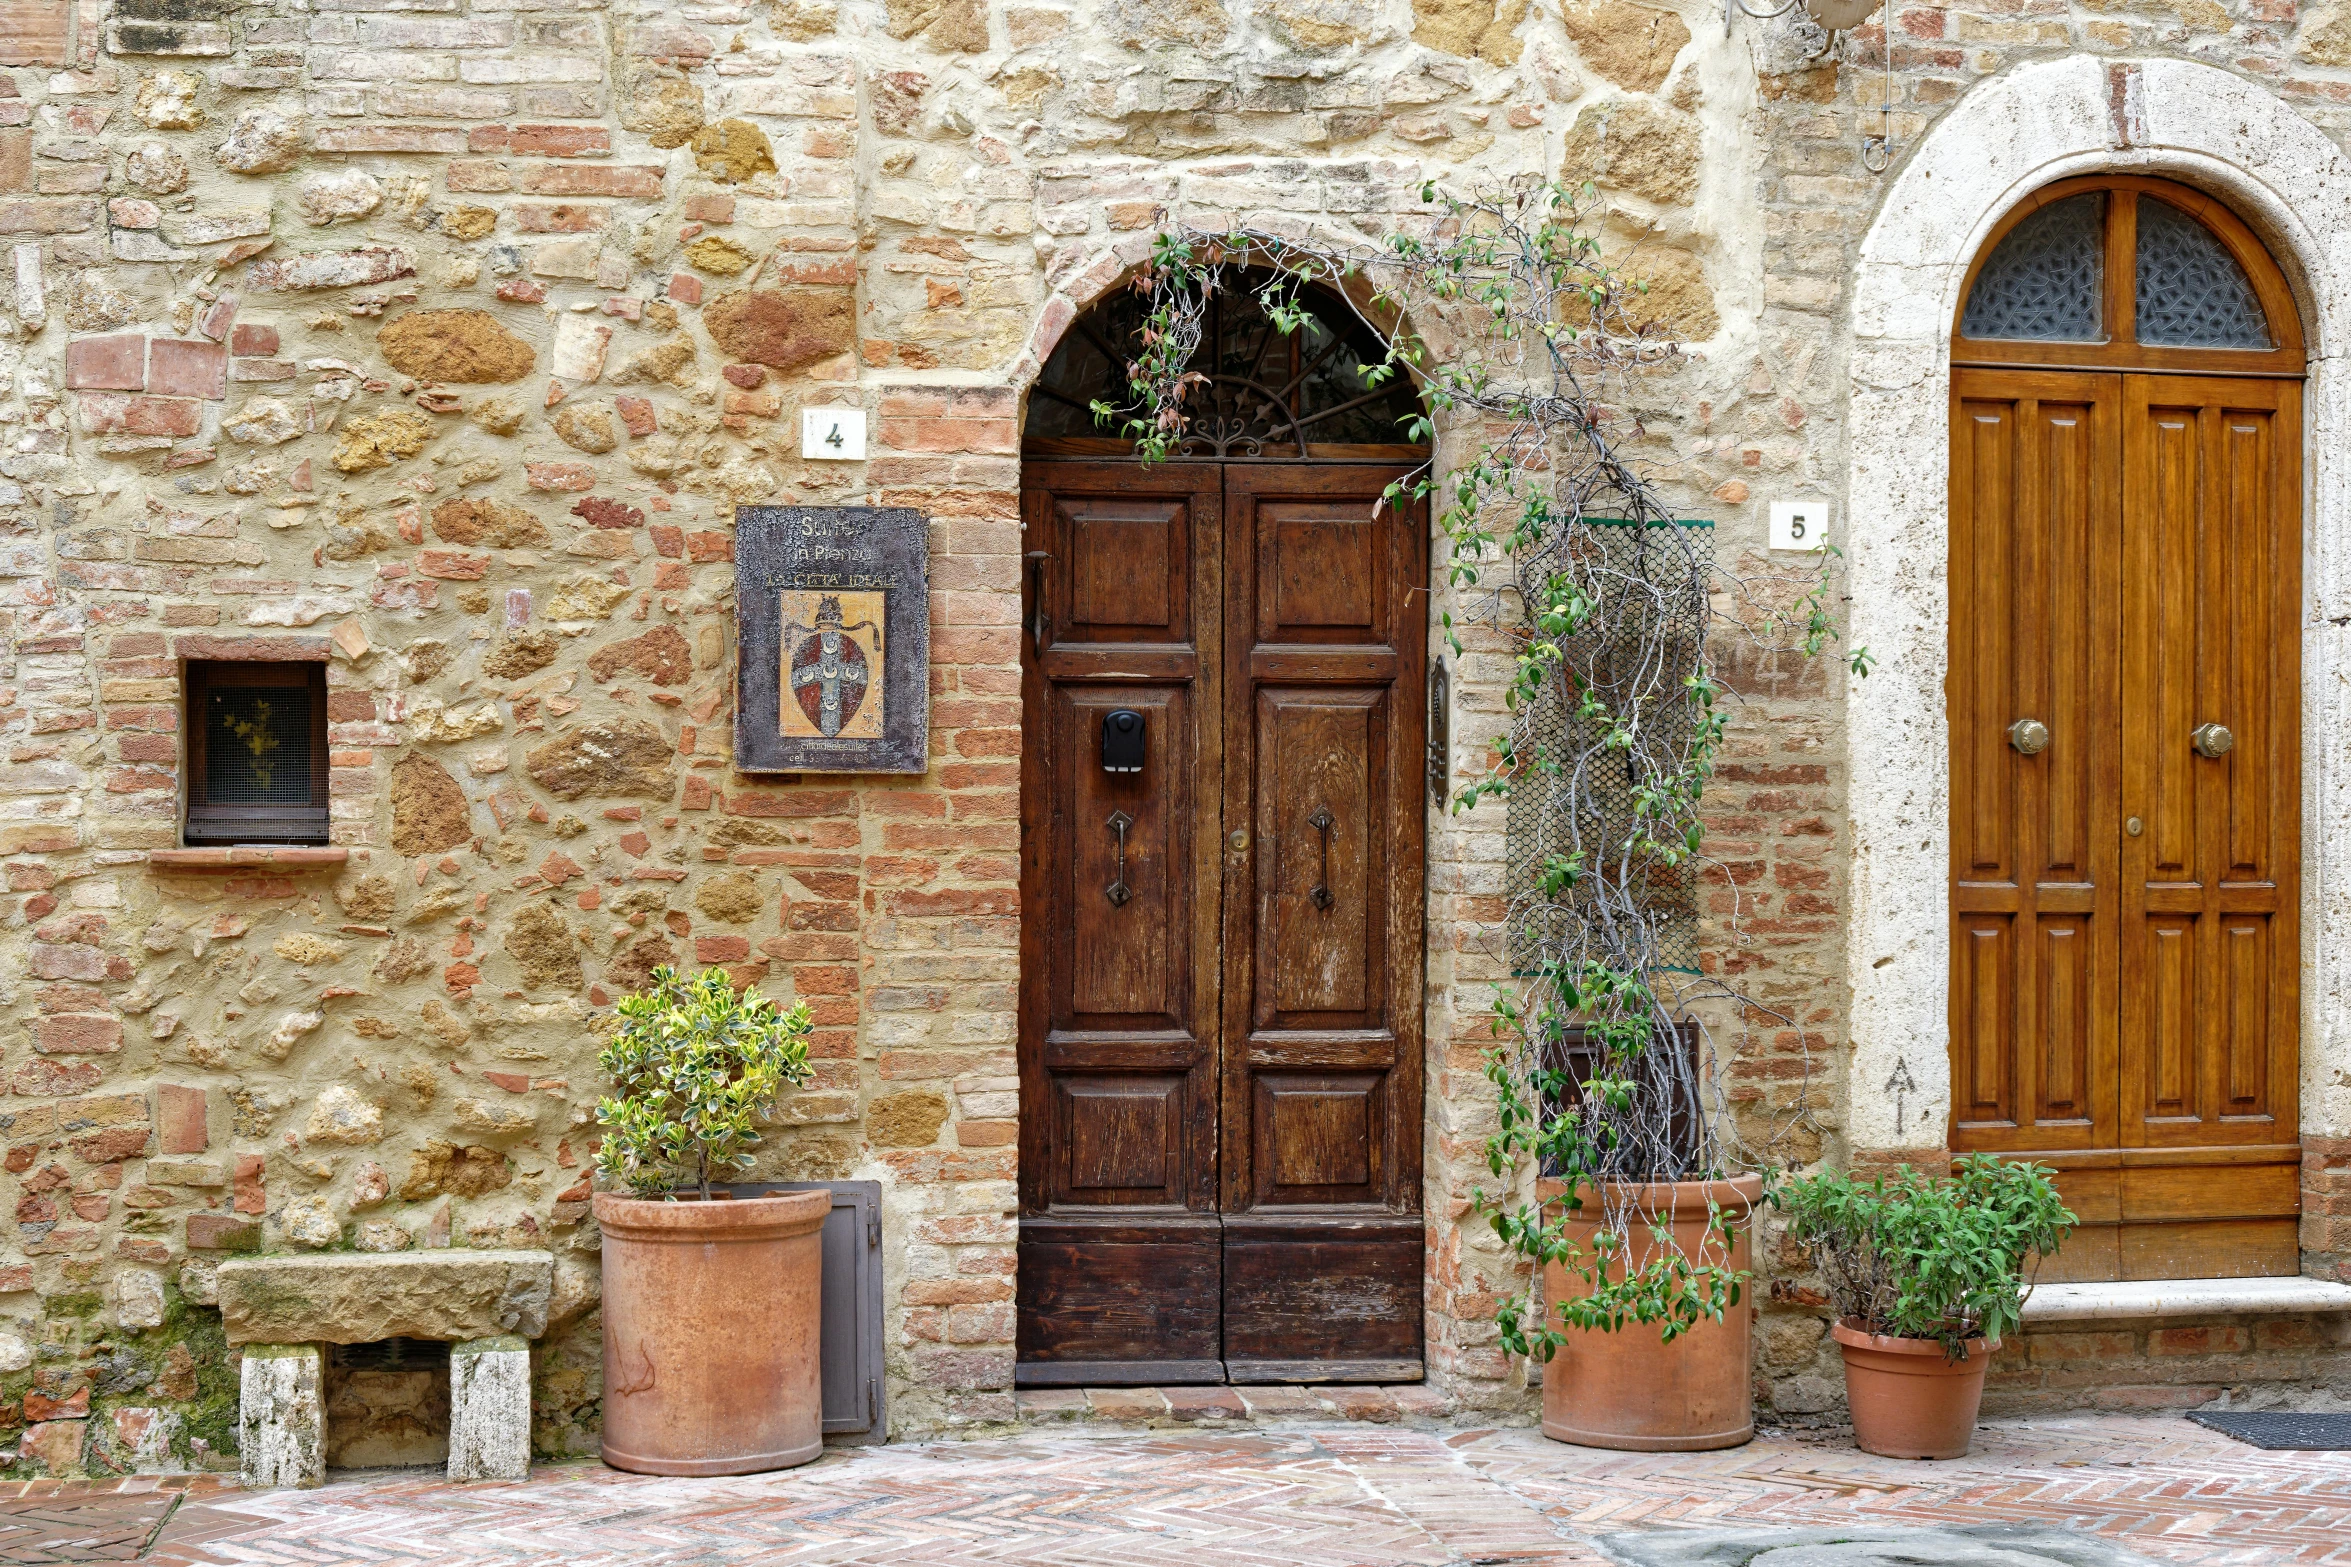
point(1578, 796)
point(1599, 878)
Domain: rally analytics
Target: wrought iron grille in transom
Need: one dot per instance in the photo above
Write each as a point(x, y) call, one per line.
point(1267, 394)
point(2128, 272)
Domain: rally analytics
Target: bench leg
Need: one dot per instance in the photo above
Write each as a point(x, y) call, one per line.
point(490, 1409)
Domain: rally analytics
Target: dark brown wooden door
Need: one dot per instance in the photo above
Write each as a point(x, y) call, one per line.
point(2125, 567)
point(1220, 1070)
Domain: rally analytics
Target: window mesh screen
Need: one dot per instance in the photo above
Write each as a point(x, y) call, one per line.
point(2044, 281)
point(2191, 292)
point(257, 746)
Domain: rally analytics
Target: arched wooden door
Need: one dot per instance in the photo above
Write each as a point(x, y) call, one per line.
point(1221, 928)
point(2126, 510)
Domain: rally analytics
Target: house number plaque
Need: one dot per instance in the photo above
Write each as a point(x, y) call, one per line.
point(835, 647)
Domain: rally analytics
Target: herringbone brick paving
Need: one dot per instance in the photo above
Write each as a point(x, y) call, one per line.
point(1316, 1496)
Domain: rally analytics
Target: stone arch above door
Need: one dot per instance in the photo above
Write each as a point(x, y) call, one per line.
point(2011, 136)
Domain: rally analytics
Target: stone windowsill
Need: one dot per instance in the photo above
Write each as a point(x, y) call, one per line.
point(2163, 1298)
point(249, 857)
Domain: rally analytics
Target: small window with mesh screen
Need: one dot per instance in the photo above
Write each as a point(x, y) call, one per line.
point(257, 753)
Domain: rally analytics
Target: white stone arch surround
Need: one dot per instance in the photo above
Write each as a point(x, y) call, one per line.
point(2011, 135)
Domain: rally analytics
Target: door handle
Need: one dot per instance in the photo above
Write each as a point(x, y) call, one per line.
point(1118, 891)
point(1039, 627)
point(2212, 740)
point(1322, 821)
point(2029, 735)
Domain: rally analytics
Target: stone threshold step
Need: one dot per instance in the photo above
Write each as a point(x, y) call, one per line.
point(2159, 1299)
point(1234, 1406)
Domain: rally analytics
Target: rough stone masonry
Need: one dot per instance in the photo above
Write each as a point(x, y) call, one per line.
point(435, 341)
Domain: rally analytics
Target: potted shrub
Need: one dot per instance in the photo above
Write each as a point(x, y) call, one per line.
point(1925, 1276)
point(710, 1304)
point(1640, 1233)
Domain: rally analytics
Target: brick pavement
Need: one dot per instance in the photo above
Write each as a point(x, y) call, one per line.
point(1313, 1495)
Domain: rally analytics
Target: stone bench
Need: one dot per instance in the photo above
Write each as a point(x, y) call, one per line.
point(284, 1311)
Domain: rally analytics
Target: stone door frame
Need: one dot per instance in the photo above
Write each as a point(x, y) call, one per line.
point(2204, 127)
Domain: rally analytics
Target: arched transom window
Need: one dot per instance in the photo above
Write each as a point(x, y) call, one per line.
point(2127, 272)
point(1262, 394)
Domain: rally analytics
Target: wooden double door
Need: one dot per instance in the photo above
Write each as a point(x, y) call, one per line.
point(2125, 638)
point(1220, 1040)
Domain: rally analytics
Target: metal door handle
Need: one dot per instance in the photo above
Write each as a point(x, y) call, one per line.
point(2029, 735)
point(1118, 891)
point(1321, 821)
point(2212, 740)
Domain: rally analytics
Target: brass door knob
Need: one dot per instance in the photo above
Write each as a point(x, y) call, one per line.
point(2212, 739)
point(2029, 735)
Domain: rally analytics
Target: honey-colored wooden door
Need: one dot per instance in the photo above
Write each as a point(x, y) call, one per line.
point(2036, 503)
point(2125, 568)
point(2209, 1183)
point(1221, 1062)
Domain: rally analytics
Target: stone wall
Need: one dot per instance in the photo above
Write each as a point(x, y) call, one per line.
point(436, 341)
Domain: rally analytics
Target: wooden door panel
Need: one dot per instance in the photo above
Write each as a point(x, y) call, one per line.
point(2068, 971)
point(1220, 1069)
point(1983, 1012)
point(1322, 841)
point(1324, 576)
point(2248, 967)
point(1121, 1263)
point(1121, 1138)
point(1126, 959)
point(1319, 1137)
point(1324, 650)
point(1126, 573)
point(2034, 635)
point(2210, 952)
point(1110, 1304)
point(1328, 1298)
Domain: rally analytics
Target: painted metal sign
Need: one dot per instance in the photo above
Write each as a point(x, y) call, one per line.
point(835, 646)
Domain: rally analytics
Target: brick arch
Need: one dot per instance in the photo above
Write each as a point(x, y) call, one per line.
point(1086, 283)
point(2189, 122)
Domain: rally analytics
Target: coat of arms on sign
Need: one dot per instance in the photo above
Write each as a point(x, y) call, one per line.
point(833, 665)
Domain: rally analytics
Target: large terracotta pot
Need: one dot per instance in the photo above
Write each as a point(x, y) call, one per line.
point(1909, 1399)
point(710, 1333)
point(1631, 1390)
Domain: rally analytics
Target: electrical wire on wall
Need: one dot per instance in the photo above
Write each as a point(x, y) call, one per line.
point(1834, 18)
point(1877, 152)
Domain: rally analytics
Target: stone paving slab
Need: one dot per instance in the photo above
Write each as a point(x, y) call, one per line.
point(1303, 1496)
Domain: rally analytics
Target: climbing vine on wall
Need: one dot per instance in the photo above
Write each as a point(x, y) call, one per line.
point(1527, 343)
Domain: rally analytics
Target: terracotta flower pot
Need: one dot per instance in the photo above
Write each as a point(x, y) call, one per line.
point(710, 1333)
point(1909, 1399)
point(1631, 1390)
